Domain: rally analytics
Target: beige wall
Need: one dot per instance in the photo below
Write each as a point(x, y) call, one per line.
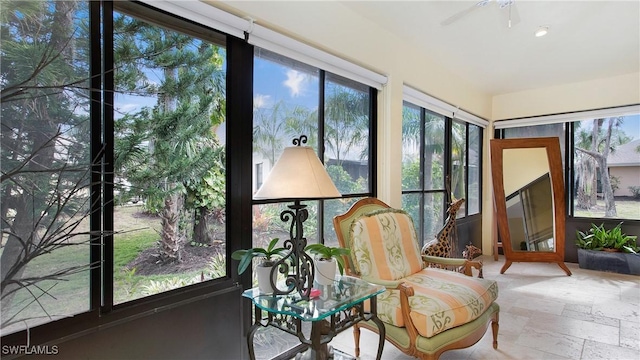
point(628, 175)
point(335, 28)
point(587, 95)
point(522, 166)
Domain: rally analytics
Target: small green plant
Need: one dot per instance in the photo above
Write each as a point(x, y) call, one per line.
point(325, 252)
point(269, 254)
point(599, 238)
point(217, 266)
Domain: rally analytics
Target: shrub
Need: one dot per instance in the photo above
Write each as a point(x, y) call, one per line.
point(156, 287)
point(217, 266)
point(635, 190)
point(599, 238)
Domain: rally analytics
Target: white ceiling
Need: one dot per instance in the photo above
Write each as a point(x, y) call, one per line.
point(587, 39)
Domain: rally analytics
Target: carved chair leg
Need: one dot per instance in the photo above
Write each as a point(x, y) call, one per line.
point(494, 329)
point(356, 339)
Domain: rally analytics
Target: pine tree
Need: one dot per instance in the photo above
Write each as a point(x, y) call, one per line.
point(45, 155)
point(162, 149)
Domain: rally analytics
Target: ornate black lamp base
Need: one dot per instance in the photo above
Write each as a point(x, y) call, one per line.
point(297, 265)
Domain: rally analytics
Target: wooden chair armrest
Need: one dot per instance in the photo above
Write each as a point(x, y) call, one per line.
point(443, 261)
point(389, 284)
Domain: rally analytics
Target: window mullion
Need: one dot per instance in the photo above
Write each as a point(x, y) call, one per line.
point(321, 133)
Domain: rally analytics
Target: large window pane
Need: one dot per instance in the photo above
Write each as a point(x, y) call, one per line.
point(606, 177)
point(288, 103)
point(434, 208)
point(45, 162)
point(285, 106)
point(474, 169)
point(331, 209)
point(170, 159)
point(423, 170)
point(434, 156)
point(411, 124)
point(411, 204)
point(459, 163)
point(346, 129)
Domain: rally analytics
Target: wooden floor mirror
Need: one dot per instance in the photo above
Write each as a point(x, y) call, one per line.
point(529, 199)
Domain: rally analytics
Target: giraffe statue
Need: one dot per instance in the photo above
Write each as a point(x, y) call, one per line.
point(441, 246)
point(469, 253)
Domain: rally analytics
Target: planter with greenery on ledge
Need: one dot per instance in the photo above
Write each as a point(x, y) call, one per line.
point(608, 250)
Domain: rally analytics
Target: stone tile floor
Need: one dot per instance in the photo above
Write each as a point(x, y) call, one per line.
point(544, 315)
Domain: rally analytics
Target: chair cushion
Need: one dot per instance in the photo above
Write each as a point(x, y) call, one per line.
point(445, 299)
point(384, 245)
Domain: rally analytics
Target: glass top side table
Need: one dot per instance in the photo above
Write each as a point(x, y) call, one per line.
point(338, 307)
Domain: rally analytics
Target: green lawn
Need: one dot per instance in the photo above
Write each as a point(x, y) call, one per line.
point(69, 295)
point(626, 209)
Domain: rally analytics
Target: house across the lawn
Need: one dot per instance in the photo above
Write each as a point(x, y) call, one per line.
point(624, 164)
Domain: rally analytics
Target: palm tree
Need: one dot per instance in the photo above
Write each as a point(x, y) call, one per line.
point(346, 121)
point(600, 154)
point(586, 167)
point(269, 131)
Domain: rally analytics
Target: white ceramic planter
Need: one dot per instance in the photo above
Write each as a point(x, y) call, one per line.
point(325, 271)
point(263, 272)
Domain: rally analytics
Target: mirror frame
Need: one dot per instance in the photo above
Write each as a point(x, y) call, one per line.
point(552, 146)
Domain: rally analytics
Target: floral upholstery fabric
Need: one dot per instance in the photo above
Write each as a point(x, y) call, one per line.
point(384, 245)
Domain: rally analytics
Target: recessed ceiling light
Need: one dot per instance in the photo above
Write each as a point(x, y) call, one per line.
point(542, 31)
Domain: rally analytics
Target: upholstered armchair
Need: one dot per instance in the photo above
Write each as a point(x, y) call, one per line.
point(426, 311)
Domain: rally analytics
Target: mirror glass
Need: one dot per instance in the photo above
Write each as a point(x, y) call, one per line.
point(529, 199)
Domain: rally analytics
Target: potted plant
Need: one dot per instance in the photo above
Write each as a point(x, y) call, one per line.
point(326, 259)
point(608, 250)
point(263, 269)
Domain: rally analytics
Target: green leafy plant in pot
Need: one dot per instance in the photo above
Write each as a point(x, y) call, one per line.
point(326, 258)
point(270, 254)
point(600, 238)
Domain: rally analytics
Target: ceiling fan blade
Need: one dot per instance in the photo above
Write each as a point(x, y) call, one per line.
point(459, 15)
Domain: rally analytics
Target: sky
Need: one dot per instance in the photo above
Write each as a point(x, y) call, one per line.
point(631, 126)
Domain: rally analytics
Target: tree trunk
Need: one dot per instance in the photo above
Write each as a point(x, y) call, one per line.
point(583, 176)
point(601, 159)
point(200, 227)
point(171, 238)
point(604, 175)
point(593, 195)
point(609, 200)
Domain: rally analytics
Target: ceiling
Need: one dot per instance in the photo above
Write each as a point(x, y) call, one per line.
point(587, 40)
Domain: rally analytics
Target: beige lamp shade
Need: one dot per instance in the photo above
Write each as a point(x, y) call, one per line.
point(298, 174)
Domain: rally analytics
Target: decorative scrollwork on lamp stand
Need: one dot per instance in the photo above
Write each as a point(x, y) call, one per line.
point(301, 276)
